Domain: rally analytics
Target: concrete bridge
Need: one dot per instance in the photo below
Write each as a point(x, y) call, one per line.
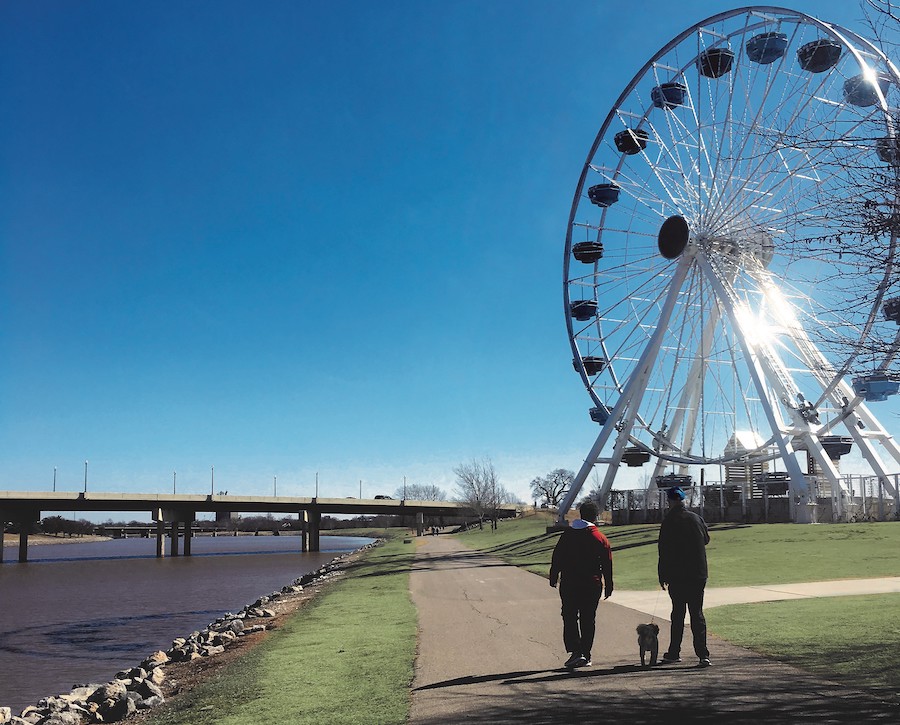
point(179, 511)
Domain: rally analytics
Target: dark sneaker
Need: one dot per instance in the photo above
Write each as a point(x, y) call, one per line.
point(704, 662)
point(572, 660)
point(582, 661)
point(670, 658)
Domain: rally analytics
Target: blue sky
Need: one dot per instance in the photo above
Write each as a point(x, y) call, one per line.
point(290, 238)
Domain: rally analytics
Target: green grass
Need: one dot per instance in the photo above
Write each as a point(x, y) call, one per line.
point(854, 640)
point(739, 555)
point(340, 661)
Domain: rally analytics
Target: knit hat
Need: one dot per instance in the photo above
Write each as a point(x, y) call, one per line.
point(675, 493)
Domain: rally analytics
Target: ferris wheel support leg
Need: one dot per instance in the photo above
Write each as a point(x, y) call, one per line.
point(802, 506)
point(623, 413)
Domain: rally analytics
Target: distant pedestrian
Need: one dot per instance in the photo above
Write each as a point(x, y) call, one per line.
point(683, 537)
point(582, 566)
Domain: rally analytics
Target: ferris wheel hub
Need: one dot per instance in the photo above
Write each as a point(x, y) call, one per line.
point(744, 247)
point(673, 237)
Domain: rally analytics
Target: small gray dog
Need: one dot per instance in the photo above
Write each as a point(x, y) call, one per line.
point(648, 641)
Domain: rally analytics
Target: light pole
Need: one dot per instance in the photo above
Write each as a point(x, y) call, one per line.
point(275, 486)
point(360, 488)
point(85, 476)
point(173, 483)
point(212, 481)
point(317, 484)
point(54, 479)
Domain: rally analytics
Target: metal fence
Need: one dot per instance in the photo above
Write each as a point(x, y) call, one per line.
point(862, 498)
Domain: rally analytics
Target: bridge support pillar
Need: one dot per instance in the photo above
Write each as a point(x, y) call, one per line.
point(315, 522)
point(160, 538)
point(188, 534)
point(23, 544)
point(173, 538)
point(24, 520)
point(2, 527)
point(304, 532)
point(420, 524)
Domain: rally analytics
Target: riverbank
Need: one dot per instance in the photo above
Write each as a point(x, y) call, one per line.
point(345, 659)
point(166, 674)
point(42, 539)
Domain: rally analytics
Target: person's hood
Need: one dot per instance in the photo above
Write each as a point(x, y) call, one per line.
point(582, 524)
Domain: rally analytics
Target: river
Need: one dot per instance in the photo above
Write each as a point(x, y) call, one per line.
point(79, 613)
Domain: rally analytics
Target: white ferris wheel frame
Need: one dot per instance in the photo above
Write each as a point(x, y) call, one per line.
point(771, 378)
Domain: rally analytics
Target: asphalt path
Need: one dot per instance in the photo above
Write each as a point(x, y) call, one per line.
point(490, 651)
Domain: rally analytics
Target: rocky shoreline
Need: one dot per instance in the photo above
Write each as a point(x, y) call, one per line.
point(136, 691)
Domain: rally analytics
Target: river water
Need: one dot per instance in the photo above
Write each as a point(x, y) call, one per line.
point(79, 613)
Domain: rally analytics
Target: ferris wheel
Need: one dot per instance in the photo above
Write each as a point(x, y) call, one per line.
point(730, 270)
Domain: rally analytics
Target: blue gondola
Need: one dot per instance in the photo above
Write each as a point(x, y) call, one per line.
point(860, 90)
point(634, 457)
point(593, 364)
point(715, 62)
point(604, 195)
point(670, 480)
point(668, 95)
point(583, 310)
point(891, 310)
point(819, 55)
point(888, 150)
point(631, 140)
point(587, 252)
point(875, 388)
point(836, 446)
point(600, 414)
point(766, 48)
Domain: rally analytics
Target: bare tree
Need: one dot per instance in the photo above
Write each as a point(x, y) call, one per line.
point(478, 486)
point(421, 492)
point(551, 488)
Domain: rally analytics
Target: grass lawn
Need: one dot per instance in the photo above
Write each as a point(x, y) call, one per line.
point(341, 660)
point(854, 640)
point(739, 555)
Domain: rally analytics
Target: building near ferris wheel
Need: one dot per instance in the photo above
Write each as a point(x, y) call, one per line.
point(730, 302)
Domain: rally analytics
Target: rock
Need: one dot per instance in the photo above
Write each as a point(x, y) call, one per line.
point(63, 718)
point(150, 702)
point(148, 689)
point(32, 717)
point(155, 660)
point(80, 693)
point(5, 715)
point(114, 690)
point(158, 676)
point(32, 714)
point(213, 650)
point(135, 673)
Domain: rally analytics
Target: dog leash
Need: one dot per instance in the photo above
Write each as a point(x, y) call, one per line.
point(655, 606)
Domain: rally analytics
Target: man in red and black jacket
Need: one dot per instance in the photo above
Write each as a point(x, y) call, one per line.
point(582, 565)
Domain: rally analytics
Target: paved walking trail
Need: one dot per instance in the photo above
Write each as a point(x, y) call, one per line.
point(490, 651)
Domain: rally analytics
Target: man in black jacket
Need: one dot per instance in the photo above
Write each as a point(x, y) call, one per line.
point(683, 537)
point(582, 565)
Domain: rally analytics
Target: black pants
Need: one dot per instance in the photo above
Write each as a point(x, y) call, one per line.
point(688, 596)
point(579, 613)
